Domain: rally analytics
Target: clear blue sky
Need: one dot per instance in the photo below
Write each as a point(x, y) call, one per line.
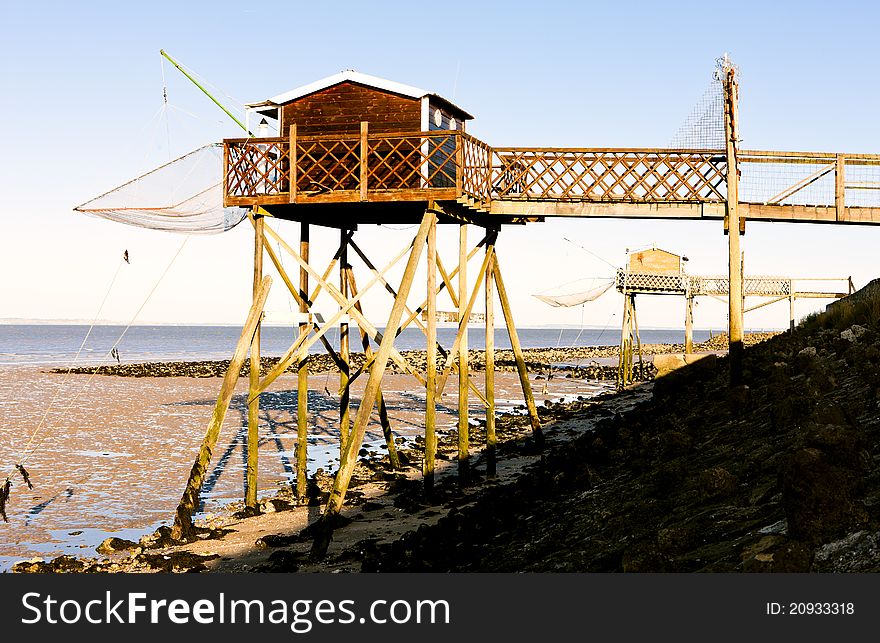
point(82, 83)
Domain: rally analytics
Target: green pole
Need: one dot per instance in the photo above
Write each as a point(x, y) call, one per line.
point(205, 91)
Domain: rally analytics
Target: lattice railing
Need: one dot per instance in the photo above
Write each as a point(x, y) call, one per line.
point(609, 175)
point(400, 162)
point(453, 160)
point(256, 167)
point(476, 174)
point(327, 164)
point(641, 281)
point(760, 285)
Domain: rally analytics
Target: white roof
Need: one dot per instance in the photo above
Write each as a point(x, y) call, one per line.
point(355, 77)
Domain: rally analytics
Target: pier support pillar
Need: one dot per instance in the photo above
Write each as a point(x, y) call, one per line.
point(344, 370)
point(689, 325)
point(463, 319)
point(537, 431)
point(490, 357)
point(189, 502)
point(734, 227)
point(253, 436)
point(431, 363)
point(302, 384)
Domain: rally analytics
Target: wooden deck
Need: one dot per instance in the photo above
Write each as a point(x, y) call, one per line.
point(400, 173)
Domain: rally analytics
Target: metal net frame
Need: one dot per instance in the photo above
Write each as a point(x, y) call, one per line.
point(184, 195)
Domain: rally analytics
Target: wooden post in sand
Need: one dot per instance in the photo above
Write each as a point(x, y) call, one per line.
point(253, 439)
point(344, 371)
point(183, 527)
point(463, 319)
point(537, 432)
point(490, 358)
point(302, 382)
point(324, 527)
point(689, 323)
point(431, 362)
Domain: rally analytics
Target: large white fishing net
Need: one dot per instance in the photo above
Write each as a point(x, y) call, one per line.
point(184, 195)
point(568, 299)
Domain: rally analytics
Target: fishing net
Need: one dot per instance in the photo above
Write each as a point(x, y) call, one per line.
point(703, 129)
point(184, 195)
point(566, 300)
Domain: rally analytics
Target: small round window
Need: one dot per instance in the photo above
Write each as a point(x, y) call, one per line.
point(452, 123)
point(438, 117)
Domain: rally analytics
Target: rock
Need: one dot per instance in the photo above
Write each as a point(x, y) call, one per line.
point(853, 333)
point(819, 497)
point(114, 545)
point(717, 483)
point(59, 565)
point(645, 557)
point(806, 355)
point(158, 539)
point(857, 552)
point(666, 364)
point(777, 554)
point(739, 398)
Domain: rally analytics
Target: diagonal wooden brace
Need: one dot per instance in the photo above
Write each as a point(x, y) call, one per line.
point(300, 348)
point(183, 527)
point(346, 467)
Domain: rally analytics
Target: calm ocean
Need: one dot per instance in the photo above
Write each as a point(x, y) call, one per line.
point(58, 344)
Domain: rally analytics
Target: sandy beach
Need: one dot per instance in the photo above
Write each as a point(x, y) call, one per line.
point(112, 455)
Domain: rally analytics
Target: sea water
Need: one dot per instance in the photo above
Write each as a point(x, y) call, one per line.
point(58, 344)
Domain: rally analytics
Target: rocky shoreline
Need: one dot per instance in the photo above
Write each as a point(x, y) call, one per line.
point(574, 360)
point(683, 474)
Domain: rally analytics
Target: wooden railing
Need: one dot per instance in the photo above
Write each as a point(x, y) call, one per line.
point(815, 179)
point(452, 164)
point(449, 164)
point(609, 175)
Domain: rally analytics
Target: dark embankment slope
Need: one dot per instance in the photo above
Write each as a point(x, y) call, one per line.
point(778, 475)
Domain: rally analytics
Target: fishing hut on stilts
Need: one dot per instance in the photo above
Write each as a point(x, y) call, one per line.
point(353, 150)
point(654, 271)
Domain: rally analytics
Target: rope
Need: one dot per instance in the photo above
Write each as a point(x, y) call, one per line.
point(590, 252)
point(75, 359)
point(165, 107)
point(27, 453)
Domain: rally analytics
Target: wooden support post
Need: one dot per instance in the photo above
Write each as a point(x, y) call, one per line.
point(253, 439)
point(302, 382)
point(791, 312)
point(365, 151)
point(537, 432)
point(183, 527)
point(431, 362)
point(393, 458)
point(490, 360)
point(735, 325)
point(638, 338)
point(624, 361)
point(324, 529)
point(689, 324)
point(344, 371)
point(840, 188)
point(292, 156)
point(463, 319)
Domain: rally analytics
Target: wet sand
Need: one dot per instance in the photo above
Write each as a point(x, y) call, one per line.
point(113, 454)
